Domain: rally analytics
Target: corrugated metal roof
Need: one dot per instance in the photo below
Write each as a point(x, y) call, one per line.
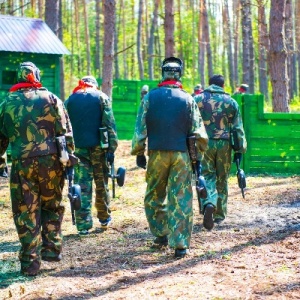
point(20, 34)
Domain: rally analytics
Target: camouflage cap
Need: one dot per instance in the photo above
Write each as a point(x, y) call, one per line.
point(28, 72)
point(90, 79)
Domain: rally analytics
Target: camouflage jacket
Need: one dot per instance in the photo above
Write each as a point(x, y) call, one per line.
point(30, 119)
point(220, 115)
point(140, 134)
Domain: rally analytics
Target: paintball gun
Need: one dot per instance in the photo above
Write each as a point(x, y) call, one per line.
point(240, 174)
point(62, 149)
point(236, 147)
point(74, 193)
point(196, 167)
point(120, 177)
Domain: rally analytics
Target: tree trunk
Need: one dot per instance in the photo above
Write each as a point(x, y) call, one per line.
point(289, 33)
point(236, 38)
point(78, 43)
point(206, 38)
point(201, 47)
point(139, 40)
point(297, 36)
point(169, 28)
point(263, 47)
point(41, 8)
point(277, 58)
point(52, 15)
point(109, 8)
point(87, 39)
point(152, 40)
point(125, 67)
point(98, 47)
point(248, 51)
point(228, 44)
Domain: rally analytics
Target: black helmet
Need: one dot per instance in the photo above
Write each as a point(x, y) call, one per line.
point(27, 68)
point(171, 68)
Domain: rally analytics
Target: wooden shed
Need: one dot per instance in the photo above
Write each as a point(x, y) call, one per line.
point(27, 39)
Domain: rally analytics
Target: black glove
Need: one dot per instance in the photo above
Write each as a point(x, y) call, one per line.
point(237, 156)
point(141, 161)
point(4, 172)
point(110, 157)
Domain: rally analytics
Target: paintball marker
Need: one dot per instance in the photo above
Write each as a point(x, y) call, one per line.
point(236, 147)
point(240, 174)
point(74, 193)
point(196, 167)
point(120, 176)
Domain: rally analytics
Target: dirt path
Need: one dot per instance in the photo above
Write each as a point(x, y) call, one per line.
point(254, 254)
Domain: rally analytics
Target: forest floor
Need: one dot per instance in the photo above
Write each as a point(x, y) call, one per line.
point(253, 254)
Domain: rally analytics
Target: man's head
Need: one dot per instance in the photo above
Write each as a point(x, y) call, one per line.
point(145, 89)
point(217, 80)
point(198, 87)
point(28, 72)
point(171, 68)
point(90, 80)
point(244, 87)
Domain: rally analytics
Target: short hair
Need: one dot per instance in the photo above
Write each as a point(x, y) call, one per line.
point(217, 80)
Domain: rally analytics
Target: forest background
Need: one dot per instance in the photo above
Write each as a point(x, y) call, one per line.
point(255, 42)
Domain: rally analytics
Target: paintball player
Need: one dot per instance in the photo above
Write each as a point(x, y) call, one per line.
point(242, 89)
point(144, 91)
point(197, 90)
point(31, 119)
point(220, 115)
point(167, 116)
point(89, 110)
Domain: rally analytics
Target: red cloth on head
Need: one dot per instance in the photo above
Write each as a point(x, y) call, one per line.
point(82, 85)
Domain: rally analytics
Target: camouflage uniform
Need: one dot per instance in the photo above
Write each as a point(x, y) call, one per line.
point(89, 109)
point(219, 112)
point(30, 119)
point(168, 199)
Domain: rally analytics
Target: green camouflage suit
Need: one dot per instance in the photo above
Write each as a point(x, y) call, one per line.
point(168, 200)
point(92, 165)
point(219, 111)
point(30, 119)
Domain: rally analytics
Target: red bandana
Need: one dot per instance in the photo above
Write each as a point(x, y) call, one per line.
point(24, 85)
point(82, 85)
point(171, 82)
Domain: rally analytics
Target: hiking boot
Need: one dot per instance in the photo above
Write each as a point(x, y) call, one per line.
point(31, 270)
point(218, 221)
point(83, 232)
point(180, 253)
point(161, 241)
point(105, 223)
point(52, 258)
point(208, 221)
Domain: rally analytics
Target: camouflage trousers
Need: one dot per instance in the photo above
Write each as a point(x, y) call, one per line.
point(36, 186)
point(216, 165)
point(92, 167)
point(169, 197)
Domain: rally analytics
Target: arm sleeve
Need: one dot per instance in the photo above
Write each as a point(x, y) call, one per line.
point(140, 133)
point(237, 125)
point(4, 141)
point(198, 128)
point(63, 124)
point(108, 121)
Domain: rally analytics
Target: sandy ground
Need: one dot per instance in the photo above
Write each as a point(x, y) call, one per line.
point(254, 254)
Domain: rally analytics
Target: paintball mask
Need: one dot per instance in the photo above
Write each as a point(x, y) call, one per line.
point(171, 68)
point(28, 72)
